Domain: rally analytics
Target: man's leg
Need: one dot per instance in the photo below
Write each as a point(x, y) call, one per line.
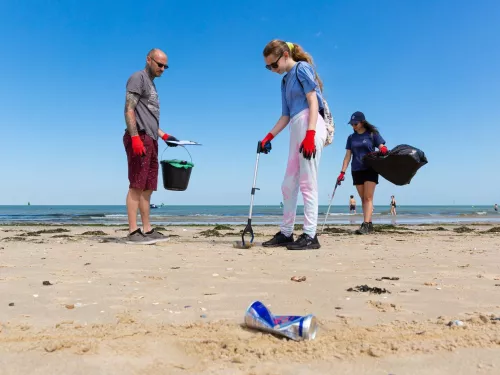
point(144, 202)
point(133, 198)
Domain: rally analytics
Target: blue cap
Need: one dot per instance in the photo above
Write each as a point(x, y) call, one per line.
point(357, 117)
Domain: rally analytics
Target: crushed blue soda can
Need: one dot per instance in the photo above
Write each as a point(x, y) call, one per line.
point(294, 327)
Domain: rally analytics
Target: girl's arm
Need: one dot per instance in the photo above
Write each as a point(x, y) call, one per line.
point(312, 100)
point(347, 160)
point(280, 125)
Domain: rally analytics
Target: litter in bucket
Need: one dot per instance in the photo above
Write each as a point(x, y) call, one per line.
point(176, 173)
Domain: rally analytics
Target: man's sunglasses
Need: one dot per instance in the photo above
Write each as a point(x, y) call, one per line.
point(160, 65)
point(274, 65)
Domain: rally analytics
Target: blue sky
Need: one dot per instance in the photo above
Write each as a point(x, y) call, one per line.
point(424, 71)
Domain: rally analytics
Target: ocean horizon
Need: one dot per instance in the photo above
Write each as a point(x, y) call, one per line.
point(238, 214)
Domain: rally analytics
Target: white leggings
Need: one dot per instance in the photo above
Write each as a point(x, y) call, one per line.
point(302, 173)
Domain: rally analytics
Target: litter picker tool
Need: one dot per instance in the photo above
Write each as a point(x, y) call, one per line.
point(330, 205)
point(248, 229)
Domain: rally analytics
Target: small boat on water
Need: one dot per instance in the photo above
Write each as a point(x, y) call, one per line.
point(152, 205)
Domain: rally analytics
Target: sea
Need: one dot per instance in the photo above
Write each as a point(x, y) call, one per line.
point(269, 215)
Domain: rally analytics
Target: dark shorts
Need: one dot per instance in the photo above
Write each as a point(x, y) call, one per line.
point(142, 170)
point(360, 177)
point(352, 208)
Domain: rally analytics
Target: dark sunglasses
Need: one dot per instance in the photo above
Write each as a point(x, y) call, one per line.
point(355, 124)
point(160, 65)
point(274, 65)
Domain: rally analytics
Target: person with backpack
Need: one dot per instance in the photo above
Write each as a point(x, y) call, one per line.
point(311, 128)
point(361, 142)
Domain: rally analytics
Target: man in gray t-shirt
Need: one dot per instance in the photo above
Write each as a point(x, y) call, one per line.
point(142, 115)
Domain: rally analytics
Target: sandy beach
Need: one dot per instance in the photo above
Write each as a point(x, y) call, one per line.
point(177, 307)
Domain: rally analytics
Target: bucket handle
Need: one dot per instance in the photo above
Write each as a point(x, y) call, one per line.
point(184, 147)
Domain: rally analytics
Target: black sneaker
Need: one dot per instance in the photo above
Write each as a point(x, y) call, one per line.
point(364, 229)
point(138, 238)
point(279, 239)
point(370, 227)
point(305, 242)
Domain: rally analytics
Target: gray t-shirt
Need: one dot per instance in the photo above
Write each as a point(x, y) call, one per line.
point(147, 111)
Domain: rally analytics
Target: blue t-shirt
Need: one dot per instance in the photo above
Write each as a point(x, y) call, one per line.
point(360, 145)
point(293, 96)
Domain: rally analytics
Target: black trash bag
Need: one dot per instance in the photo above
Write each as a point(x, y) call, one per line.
point(399, 165)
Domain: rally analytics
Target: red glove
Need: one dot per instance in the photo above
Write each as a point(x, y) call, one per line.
point(137, 146)
point(383, 150)
point(308, 147)
point(340, 178)
point(268, 138)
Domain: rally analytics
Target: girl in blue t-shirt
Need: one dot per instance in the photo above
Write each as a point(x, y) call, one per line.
point(302, 108)
point(362, 141)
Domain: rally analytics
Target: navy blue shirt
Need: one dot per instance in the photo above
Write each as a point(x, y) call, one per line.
point(360, 145)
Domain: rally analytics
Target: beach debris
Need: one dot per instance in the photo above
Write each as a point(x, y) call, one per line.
point(222, 227)
point(430, 283)
point(298, 279)
point(11, 304)
point(366, 288)
point(47, 231)
point(35, 295)
point(47, 283)
point(210, 233)
point(175, 268)
point(336, 231)
point(297, 328)
point(388, 278)
point(463, 229)
point(87, 264)
point(338, 308)
point(497, 284)
point(492, 230)
point(70, 306)
point(203, 316)
point(62, 236)
point(455, 323)
point(215, 274)
point(94, 233)
point(187, 306)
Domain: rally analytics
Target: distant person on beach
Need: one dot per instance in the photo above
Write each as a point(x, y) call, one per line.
point(302, 110)
point(352, 205)
point(393, 205)
point(362, 141)
point(142, 116)
point(496, 207)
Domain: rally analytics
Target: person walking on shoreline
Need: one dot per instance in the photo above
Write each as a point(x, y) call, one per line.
point(364, 139)
point(142, 116)
point(393, 205)
point(352, 205)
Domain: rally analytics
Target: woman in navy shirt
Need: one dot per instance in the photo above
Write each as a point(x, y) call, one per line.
point(362, 141)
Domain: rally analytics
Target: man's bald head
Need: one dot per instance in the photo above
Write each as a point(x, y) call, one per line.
point(156, 62)
point(156, 53)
